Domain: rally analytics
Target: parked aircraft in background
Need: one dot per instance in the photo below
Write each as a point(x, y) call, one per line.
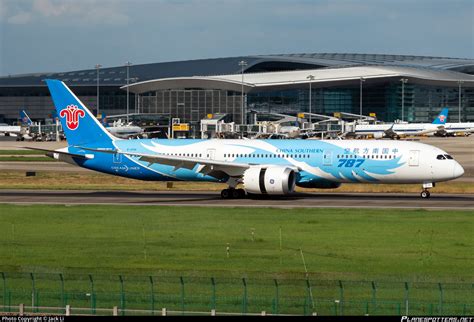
point(271, 167)
point(25, 119)
point(456, 129)
point(19, 131)
point(122, 130)
point(398, 130)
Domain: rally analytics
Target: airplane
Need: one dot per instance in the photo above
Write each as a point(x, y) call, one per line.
point(25, 119)
point(456, 129)
point(121, 130)
point(17, 130)
point(9, 130)
point(263, 167)
point(396, 131)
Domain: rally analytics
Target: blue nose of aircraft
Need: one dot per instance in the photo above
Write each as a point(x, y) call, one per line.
point(457, 170)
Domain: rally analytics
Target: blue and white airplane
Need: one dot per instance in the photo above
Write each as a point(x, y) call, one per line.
point(271, 167)
point(18, 131)
point(398, 130)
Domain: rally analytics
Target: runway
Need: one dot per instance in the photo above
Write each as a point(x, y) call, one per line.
point(212, 198)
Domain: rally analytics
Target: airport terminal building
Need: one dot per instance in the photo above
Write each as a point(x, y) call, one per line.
point(412, 88)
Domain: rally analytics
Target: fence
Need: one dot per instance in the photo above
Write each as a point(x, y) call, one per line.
point(149, 294)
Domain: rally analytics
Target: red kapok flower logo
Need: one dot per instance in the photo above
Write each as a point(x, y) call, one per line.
point(72, 114)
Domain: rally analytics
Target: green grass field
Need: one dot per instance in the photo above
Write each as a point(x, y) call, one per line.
point(346, 243)
point(353, 245)
point(20, 152)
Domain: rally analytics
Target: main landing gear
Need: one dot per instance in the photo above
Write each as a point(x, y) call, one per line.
point(233, 193)
point(425, 194)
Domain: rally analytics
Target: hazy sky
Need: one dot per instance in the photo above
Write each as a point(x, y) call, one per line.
point(63, 35)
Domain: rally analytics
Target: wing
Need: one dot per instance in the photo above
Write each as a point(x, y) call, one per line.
point(214, 168)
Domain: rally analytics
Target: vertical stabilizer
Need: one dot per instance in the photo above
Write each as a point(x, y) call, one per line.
point(442, 117)
point(79, 124)
point(24, 118)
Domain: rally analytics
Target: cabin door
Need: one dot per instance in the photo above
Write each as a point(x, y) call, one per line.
point(327, 157)
point(211, 154)
point(414, 158)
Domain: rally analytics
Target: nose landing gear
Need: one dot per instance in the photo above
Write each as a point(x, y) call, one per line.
point(425, 193)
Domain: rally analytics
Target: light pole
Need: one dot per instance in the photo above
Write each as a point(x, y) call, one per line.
point(128, 79)
point(242, 64)
point(98, 66)
point(460, 82)
point(137, 107)
point(360, 94)
point(404, 81)
point(311, 78)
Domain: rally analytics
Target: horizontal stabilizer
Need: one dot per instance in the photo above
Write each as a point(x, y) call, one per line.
point(51, 153)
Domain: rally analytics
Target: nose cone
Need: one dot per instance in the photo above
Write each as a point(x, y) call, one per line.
point(457, 170)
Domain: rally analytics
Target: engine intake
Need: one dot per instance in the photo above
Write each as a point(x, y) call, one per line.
point(271, 180)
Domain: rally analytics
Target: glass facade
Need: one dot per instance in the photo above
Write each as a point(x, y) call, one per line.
point(383, 96)
point(38, 104)
point(421, 103)
point(192, 105)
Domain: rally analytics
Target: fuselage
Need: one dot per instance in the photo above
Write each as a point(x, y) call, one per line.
point(453, 127)
point(317, 161)
point(404, 129)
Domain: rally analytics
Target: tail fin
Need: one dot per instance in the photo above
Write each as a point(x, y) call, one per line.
point(442, 117)
point(24, 118)
point(79, 124)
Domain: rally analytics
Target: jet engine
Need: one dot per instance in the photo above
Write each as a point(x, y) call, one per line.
point(272, 180)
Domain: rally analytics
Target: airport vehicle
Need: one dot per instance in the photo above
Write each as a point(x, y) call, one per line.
point(272, 167)
point(398, 130)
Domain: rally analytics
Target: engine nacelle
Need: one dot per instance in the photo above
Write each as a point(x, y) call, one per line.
point(272, 180)
point(379, 135)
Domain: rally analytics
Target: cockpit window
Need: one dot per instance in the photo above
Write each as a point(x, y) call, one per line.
point(448, 157)
point(440, 157)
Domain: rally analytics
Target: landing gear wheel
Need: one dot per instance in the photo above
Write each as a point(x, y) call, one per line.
point(225, 194)
point(241, 193)
point(425, 194)
point(234, 193)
